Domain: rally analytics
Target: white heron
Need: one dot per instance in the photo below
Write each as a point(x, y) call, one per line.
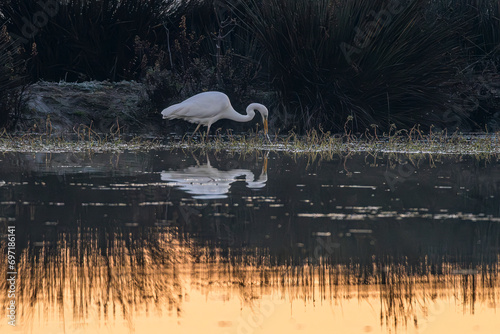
point(208, 107)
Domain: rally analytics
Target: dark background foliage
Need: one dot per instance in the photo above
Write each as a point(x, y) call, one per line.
point(12, 77)
point(313, 62)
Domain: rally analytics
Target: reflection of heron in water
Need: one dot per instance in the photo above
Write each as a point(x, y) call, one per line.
point(207, 182)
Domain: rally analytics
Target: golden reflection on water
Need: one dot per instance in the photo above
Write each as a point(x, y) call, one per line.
point(158, 281)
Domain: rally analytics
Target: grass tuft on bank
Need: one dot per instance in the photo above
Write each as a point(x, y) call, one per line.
point(413, 141)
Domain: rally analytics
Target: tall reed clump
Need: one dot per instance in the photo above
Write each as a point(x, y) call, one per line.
point(479, 76)
point(88, 39)
point(487, 22)
point(381, 62)
point(11, 78)
point(481, 34)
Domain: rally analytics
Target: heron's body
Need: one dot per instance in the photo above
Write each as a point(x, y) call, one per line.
point(209, 107)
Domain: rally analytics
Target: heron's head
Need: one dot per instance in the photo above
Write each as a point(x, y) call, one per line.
point(252, 107)
point(264, 113)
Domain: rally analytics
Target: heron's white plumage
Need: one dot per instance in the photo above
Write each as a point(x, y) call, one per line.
point(209, 107)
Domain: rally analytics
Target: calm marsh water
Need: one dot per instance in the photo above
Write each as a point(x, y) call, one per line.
point(215, 242)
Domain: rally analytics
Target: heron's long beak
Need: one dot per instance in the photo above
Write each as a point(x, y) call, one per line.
point(266, 129)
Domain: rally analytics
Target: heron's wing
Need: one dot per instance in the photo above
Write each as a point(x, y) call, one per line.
point(200, 108)
point(185, 112)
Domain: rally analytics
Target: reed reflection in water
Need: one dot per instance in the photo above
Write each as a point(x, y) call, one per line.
point(157, 280)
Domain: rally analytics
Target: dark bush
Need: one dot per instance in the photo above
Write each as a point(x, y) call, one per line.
point(11, 78)
point(480, 35)
point(89, 39)
point(210, 50)
point(380, 62)
point(478, 91)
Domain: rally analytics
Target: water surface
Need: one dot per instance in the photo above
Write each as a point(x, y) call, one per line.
point(257, 243)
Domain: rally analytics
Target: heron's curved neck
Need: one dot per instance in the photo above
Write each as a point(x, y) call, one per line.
point(243, 118)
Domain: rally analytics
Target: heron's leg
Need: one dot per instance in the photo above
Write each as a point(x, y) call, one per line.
point(195, 130)
point(208, 129)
